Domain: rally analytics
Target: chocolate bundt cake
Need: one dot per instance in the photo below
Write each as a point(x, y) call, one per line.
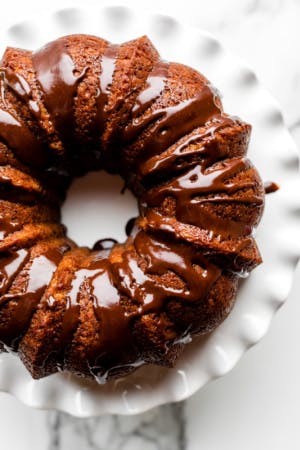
point(80, 104)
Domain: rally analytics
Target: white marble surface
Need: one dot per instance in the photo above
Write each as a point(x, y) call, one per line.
point(257, 405)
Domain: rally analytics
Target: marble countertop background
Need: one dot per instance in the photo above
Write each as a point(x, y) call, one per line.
point(257, 405)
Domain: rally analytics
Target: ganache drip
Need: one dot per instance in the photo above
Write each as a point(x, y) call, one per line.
point(56, 75)
point(13, 131)
point(104, 244)
point(39, 271)
point(270, 187)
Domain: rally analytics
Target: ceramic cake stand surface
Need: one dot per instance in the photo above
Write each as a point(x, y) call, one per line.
point(272, 150)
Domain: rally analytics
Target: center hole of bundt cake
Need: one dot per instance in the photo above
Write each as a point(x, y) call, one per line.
point(96, 208)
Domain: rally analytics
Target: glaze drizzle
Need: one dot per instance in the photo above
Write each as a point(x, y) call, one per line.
point(56, 75)
point(270, 187)
point(13, 132)
point(24, 302)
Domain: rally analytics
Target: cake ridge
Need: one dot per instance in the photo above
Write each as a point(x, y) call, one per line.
point(11, 268)
point(108, 64)
point(20, 61)
point(38, 349)
point(135, 61)
point(152, 89)
point(204, 136)
point(58, 85)
point(22, 303)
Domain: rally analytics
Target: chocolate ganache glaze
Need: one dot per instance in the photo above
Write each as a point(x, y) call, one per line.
point(104, 244)
point(39, 273)
point(270, 187)
point(55, 72)
point(12, 130)
point(103, 312)
point(172, 122)
point(108, 62)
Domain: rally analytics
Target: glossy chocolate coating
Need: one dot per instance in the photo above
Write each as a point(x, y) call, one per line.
point(270, 187)
point(104, 244)
point(12, 130)
point(55, 72)
point(39, 274)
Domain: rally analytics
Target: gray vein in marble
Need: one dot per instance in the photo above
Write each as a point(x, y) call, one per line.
point(160, 429)
point(54, 422)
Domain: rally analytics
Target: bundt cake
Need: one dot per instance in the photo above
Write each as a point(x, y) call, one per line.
point(80, 104)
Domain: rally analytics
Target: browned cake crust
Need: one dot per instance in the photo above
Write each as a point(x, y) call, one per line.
point(80, 104)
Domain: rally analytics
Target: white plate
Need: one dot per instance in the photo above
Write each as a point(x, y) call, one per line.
point(272, 150)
